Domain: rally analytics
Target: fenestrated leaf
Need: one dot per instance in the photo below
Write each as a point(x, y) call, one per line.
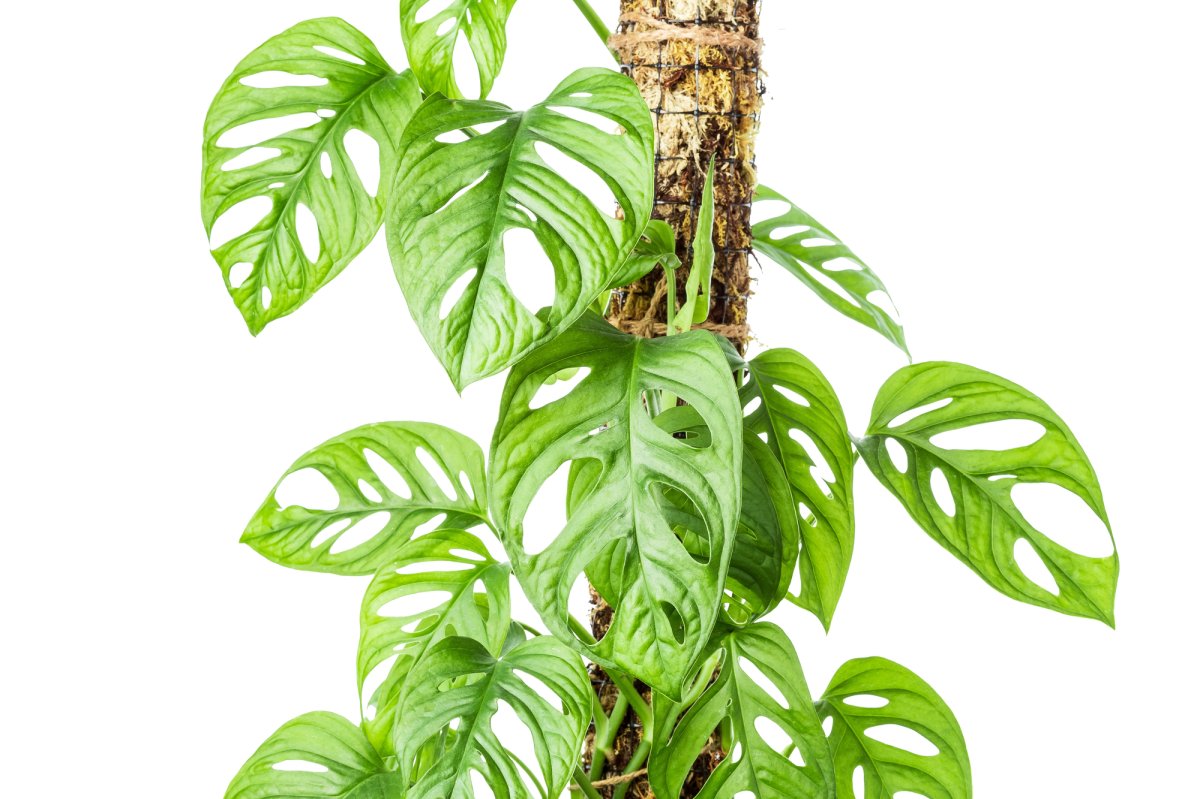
point(458, 687)
point(336, 83)
point(790, 761)
point(665, 601)
point(430, 42)
point(872, 693)
point(404, 614)
point(374, 469)
point(807, 249)
point(794, 398)
point(766, 544)
point(316, 756)
point(457, 201)
point(985, 525)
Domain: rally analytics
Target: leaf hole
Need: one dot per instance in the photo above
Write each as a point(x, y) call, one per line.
point(362, 531)
point(921, 410)
point(817, 241)
point(278, 79)
point(753, 405)
point(255, 155)
point(307, 232)
point(772, 734)
point(392, 480)
point(793, 396)
point(904, 738)
point(832, 285)
point(299, 765)
point(239, 273)
point(751, 670)
point(589, 118)
point(897, 454)
point(239, 220)
point(581, 177)
point(448, 24)
point(307, 488)
point(843, 264)
point(942, 494)
point(883, 301)
point(858, 783)
point(786, 231)
point(467, 79)
point(1003, 434)
point(1063, 516)
point(675, 621)
point(265, 297)
point(821, 471)
point(558, 385)
point(369, 493)
point(1033, 567)
point(341, 55)
point(528, 270)
point(546, 516)
point(770, 209)
point(261, 130)
point(326, 166)
point(870, 701)
point(430, 525)
point(430, 9)
point(459, 194)
point(456, 292)
point(364, 156)
point(329, 531)
point(437, 472)
point(515, 736)
point(415, 605)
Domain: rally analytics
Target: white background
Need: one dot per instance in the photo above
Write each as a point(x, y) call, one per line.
point(1023, 176)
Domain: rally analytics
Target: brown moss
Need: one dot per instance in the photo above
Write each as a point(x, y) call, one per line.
point(697, 64)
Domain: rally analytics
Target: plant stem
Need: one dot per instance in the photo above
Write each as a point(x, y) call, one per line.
point(585, 785)
point(623, 683)
point(597, 24)
point(603, 743)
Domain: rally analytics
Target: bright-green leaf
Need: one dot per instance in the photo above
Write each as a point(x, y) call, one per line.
point(766, 544)
point(335, 86)
point(807, 249)
point(984, 524)
point(430, 42)
point(795, 411)
point(665, 601)
point(657, 246)
point(440, 584)
point(316, 756)
point(377, 474)
point(696, 303)
point(867, 697)
point(459, 686)
point(457, 201)
point(777, 751)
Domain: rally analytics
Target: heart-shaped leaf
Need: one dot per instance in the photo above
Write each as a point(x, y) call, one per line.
point(441, 584)
point(767, 540)
point(275, 146)
point(316, 756)
point(776, 748)
point(807, 249)
point(793, 409)
point(964, 497)
point(664, 599)
point(430, 42)
point(459, 688)
point(385, 481)
point(458, 203)
point(876, 704)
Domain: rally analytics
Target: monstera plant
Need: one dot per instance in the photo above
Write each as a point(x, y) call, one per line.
point(705, 485)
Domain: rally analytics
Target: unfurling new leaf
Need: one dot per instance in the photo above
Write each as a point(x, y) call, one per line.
point(979, 521)
point(389, 480)
point(620, 531)
point(275, 146)
point(458, 200)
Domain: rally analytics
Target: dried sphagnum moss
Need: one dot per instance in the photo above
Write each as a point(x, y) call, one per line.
point(701, 80)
